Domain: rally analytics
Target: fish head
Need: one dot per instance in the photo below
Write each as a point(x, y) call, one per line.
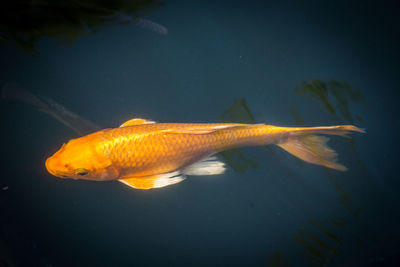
point(81, 158)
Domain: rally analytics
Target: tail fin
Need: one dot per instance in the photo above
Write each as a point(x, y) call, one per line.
point(304, 144)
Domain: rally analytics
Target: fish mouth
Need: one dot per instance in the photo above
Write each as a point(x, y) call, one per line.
point(52, 171)
point(48, 168)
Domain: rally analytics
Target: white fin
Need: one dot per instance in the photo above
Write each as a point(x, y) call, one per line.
point(154, 181)
point(208, 166)
point(136, 121)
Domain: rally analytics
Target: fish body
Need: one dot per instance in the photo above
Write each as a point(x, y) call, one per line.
point(144, 154)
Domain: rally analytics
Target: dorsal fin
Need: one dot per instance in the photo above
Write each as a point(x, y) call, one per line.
point(202, 130)
point(136, 121)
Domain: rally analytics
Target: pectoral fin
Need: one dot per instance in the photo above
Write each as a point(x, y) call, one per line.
point(207, 166)
point(155, 181)
point(136, 121)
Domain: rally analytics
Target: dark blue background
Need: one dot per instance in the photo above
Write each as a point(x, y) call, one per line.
point(281, 213)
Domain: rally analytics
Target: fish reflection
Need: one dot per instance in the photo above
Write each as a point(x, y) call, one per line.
point(25, 22)
point(81, 126)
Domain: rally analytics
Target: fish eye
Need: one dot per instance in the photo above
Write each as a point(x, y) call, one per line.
point(81, 171)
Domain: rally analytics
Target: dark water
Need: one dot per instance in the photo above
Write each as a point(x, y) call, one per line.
point(286, 63)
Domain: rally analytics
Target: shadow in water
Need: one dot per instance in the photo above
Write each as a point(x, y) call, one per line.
point(318, 245)
point(277, 259)
point(236, 158)
point(335, 96)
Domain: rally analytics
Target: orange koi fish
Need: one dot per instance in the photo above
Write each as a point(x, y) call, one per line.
point(144, 154)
